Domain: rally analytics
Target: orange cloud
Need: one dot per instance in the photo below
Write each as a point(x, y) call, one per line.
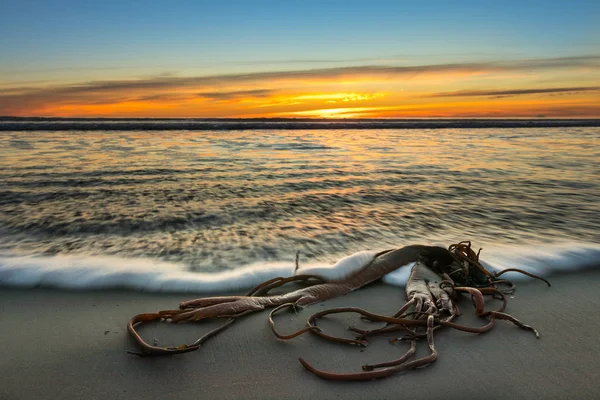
point(382, 91)
point(528, 109)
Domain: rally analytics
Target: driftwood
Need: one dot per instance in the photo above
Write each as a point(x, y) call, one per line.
point(438, 277)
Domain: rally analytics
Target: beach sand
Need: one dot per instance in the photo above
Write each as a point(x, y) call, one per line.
point(70, 345)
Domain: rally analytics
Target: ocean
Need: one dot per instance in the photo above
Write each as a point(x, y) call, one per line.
point(157, 206)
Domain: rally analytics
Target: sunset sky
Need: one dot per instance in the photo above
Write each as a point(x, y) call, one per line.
point(322, 59)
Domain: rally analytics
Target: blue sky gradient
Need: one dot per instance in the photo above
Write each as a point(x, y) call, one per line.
point(187, 34)
point(64, 42)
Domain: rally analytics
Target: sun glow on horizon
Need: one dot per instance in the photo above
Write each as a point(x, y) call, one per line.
point(496, 90)
point(322, 59)
point(331, 113)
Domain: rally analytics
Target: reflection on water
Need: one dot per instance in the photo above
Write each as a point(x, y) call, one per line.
point(220, 199)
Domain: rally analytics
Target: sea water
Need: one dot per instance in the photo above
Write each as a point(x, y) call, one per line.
point(216, 210)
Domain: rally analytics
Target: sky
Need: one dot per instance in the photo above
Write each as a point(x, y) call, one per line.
point(315, 59)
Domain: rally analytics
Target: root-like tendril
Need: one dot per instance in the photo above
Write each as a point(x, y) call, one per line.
point(429, 307)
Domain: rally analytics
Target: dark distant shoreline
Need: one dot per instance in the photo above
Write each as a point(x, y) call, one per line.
point(226, 124)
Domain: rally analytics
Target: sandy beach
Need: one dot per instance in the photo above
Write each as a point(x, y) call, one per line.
point(60, 344)
point(153, 154)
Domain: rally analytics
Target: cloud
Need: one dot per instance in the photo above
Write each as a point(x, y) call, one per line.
point(482, 110)
point(514, 92)
point(168, 88)
point(236, 94)
point(88, 68)
point(166, 82)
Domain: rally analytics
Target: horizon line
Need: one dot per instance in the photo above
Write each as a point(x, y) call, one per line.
point(297, 119)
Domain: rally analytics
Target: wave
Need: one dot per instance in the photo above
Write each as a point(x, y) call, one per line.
point(143, 274)
point(48, 124)
point(150, 275)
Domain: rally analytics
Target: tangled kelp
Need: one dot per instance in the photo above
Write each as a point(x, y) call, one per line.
point(438, 277)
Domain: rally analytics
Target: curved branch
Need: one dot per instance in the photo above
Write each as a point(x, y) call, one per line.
point(384, 372)
point(293, 335)
point(497, 274)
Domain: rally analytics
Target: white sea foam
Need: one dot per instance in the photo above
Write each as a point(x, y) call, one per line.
point(85, 273)
point(73, 272)
point(542, 260)
point(341, 269)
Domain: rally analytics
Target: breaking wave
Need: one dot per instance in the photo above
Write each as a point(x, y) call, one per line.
point(151, 275)
point(50, 124)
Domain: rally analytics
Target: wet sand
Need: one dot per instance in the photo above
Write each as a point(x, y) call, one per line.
point(60, 344)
